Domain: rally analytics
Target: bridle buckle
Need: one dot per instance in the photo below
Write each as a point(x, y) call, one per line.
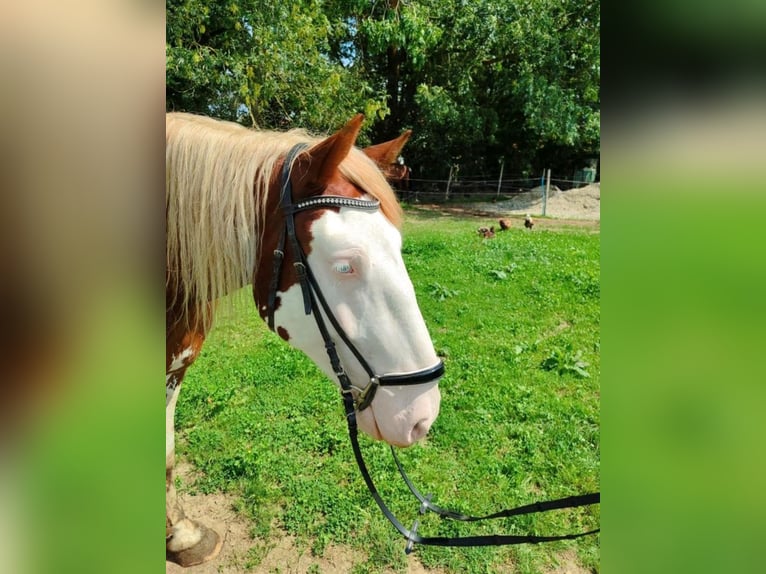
point(366, 396)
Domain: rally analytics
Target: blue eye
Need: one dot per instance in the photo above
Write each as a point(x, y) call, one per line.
point(343, 267)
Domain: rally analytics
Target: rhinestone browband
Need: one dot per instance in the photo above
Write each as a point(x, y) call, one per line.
point(335, 201)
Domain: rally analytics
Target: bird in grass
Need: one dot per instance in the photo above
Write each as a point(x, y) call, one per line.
point(504, 224)
point(487, 233)
point(528, 223)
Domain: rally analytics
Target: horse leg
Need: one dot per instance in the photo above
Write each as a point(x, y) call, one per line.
point(187, 542)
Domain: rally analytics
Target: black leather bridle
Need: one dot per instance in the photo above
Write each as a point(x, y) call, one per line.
point(312, 294)
point(315, 304)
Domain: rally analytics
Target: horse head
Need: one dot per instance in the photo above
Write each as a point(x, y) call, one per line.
point(387, 156)
point(354, 257)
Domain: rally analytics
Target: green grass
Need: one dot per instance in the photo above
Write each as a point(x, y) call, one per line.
point(516, 319)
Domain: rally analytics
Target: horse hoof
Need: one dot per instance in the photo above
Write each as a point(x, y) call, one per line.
point(206, 549)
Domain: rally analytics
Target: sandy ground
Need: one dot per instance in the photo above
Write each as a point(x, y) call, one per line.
point(579, 208)
point(579, 203)
point(278, 555)
point(576, 207)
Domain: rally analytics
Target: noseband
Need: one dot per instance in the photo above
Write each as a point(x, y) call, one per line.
point(312, 294)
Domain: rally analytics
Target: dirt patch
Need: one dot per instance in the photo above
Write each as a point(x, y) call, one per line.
point(568, 564)
point(241, 552)
point(576, 203)
point(216, 511)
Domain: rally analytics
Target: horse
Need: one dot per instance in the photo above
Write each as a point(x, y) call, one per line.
point(386, 155)
point(398, 175)
point(312, 224)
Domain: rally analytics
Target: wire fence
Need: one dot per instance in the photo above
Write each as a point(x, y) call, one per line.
point(479, 188)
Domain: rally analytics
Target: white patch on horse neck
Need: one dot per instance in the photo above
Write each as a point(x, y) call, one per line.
point(171, 379)
point(179, 361)
point(375, 304)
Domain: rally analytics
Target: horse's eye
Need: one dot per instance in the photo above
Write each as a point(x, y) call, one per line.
point(343, 267)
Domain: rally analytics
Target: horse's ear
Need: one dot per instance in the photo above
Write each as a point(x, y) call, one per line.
point(321, 161)
point(384, 154)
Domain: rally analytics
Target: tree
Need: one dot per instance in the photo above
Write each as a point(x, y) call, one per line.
point(476, 80)
point(549, 64)
point(259, 62)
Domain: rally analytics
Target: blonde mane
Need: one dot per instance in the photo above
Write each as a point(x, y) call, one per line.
point(216, 188)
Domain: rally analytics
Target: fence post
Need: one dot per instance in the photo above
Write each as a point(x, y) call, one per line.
point(547, 188)
point(453, 169)
point(500, 179)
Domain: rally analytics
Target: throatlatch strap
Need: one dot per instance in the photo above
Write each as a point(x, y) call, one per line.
point(287, 205)
point(279, 256)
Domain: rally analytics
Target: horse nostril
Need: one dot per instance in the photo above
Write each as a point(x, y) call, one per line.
point(419, 430)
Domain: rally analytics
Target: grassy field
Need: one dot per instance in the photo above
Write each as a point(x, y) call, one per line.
point(516, 319)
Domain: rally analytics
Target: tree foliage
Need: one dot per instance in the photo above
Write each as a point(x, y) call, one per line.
point(479, 81)
point(260, 62)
